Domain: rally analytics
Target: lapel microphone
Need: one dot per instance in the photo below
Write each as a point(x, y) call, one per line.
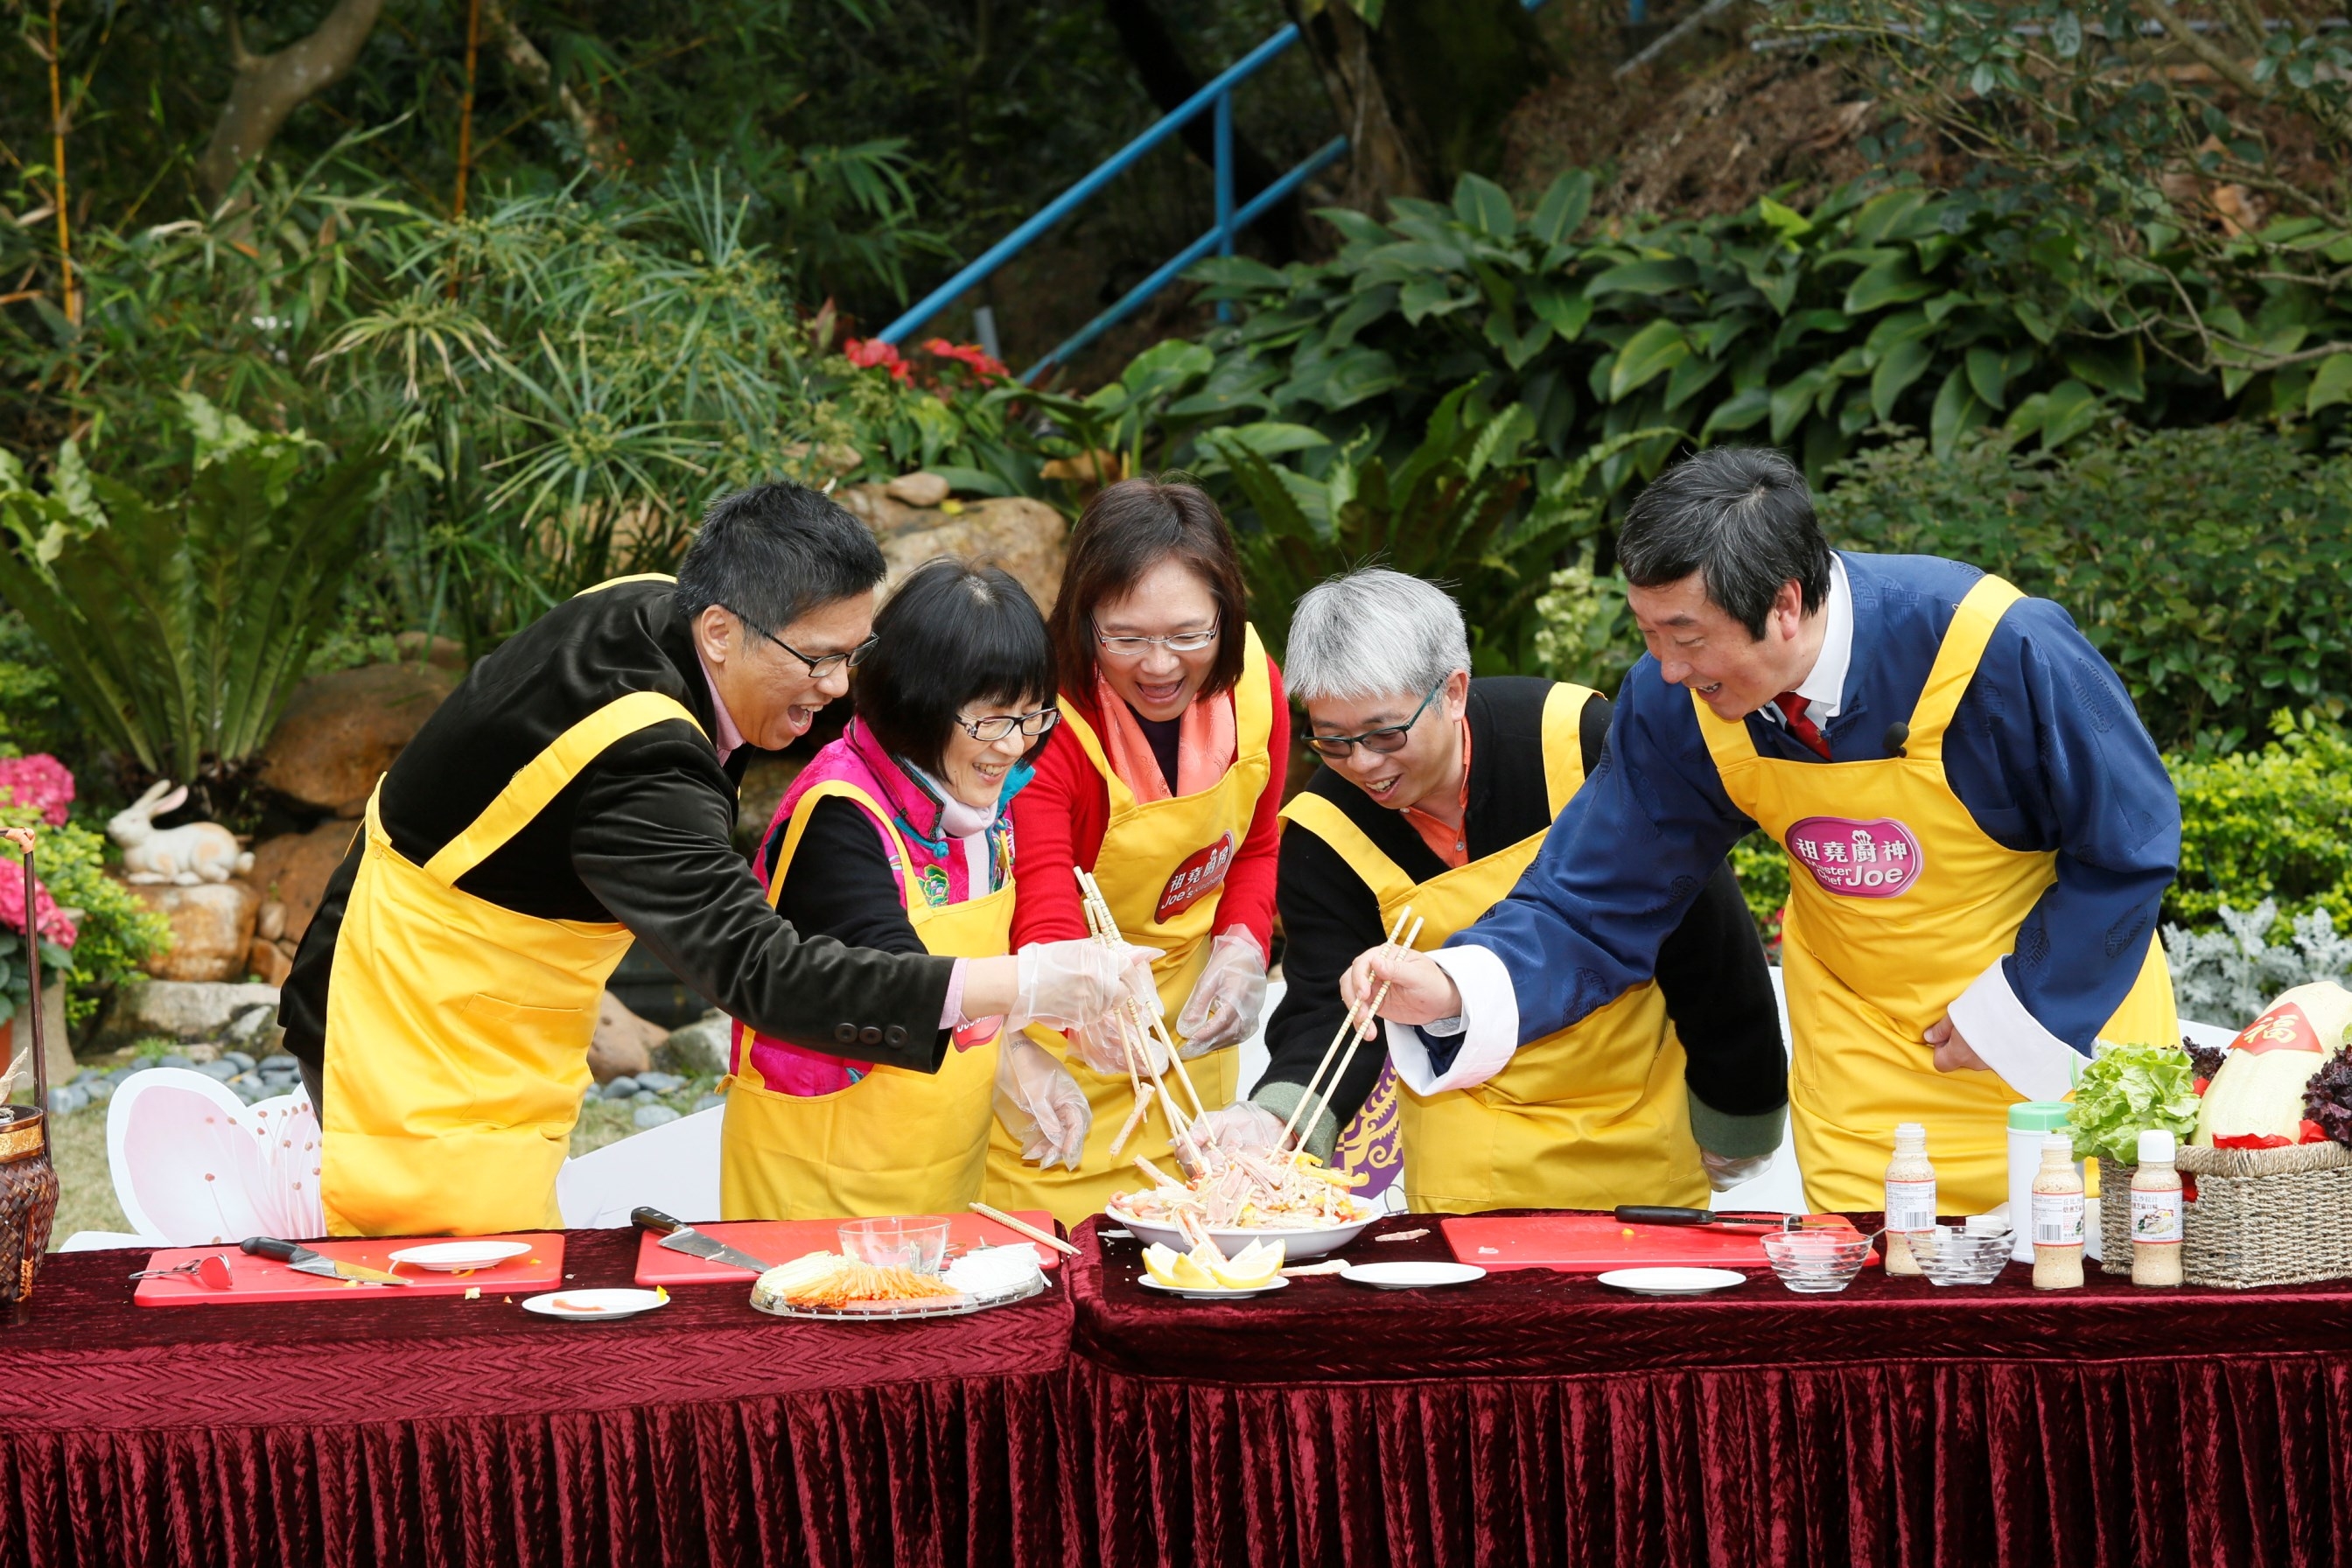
point(1896, 733)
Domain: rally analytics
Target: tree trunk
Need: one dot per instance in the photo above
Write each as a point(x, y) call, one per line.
point(1422, 96)
point(597, 144)
point(1170, 78)
point(268, 88)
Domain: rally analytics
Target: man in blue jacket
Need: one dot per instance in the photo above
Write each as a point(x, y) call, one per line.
point(1979, 832)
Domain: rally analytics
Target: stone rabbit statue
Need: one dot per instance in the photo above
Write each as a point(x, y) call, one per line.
point(198, 852)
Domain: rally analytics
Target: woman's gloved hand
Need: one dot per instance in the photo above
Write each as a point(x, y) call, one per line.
point(1224, 1007)
point(1041, 1104)
point(1724, 1172)
point(1076, 983)
point(1101, 1048)
point(1241, 1128)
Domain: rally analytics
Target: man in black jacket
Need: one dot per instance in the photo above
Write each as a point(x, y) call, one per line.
point(1436, 790)
point(576, 792)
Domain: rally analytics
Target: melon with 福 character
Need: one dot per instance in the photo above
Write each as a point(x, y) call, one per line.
point(2255, 1101)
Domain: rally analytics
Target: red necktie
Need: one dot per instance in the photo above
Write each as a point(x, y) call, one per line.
point(1792, 707)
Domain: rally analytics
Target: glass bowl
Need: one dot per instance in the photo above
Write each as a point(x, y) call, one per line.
point(1815, 1262)
point(918, 1242)
point(1948, 1256)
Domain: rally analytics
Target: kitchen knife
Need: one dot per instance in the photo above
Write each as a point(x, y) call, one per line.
point(302, 1260)
point(681, 1237)
point(1708, 1219)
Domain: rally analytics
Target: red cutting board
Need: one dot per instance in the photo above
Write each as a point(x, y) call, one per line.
point(252, 1279)
point(782, 1241)
point(1594, 1243)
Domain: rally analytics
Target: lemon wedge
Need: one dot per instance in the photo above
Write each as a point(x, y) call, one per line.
point(1177, 1270)
point(1254, 1266)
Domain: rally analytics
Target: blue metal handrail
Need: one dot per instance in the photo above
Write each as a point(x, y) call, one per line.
point(1215, 97)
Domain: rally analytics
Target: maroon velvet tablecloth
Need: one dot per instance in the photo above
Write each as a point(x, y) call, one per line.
point(436, 1430)
point(1537, 1417)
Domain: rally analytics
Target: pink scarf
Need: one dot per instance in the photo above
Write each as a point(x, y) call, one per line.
point(1204, 745)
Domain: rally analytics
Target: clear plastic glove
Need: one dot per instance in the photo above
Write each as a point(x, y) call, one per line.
point(1224, 1007)
point(1723, 1172)
point(1073, 984)
point(1101, 1048)
point(1241, 1128)
point(1041, 1104)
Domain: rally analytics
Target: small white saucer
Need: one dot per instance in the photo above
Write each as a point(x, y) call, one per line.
point(1193, 1294)
point(593, 1306)
point(456, 1257)
point(1672, 1281)
point(1411, 1276)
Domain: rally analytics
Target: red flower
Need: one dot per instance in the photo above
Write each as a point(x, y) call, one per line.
point(867, 352)
point(54, 924)
point(970, 355)
point(39, 781)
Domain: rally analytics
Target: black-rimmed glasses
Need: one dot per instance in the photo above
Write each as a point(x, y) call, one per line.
point(1387, 739)
point(997, 726)
point(822, 665)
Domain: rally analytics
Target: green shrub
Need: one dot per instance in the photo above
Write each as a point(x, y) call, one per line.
point(2268, 823)
point(2207, 565)
point(1583, 632)
point(116, 930)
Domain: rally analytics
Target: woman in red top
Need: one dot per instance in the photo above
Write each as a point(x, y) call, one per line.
point(1163, 780)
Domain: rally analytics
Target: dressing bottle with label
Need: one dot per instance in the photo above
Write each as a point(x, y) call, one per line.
point(1910, 1196)
point(2156, 1213)
point(2057, 1216)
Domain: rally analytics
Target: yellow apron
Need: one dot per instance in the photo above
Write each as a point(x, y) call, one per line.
point(458, 1032)
point(1925, 903)
point(1161, 869)
point(897, 1141)
point(1593, 1116)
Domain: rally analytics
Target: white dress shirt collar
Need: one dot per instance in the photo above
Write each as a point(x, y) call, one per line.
point(1823, 689)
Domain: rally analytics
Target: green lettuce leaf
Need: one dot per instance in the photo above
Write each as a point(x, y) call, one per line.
point(2127, 1090)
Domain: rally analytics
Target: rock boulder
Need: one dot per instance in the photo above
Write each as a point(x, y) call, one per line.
point(291, 870)
point(1025, 537)
point(342, 729)
point(176, 1010)
point(699, 1049)
point(212, 929)
point(625, 1043)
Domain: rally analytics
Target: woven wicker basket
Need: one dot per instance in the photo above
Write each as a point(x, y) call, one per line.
point(2262, 1216)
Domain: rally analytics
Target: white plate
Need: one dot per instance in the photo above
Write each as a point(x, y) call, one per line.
point(1672, 1281)
point(1297, 1246)
point(456, 1256)
point(1193, 1293)
point(593, 1306)
point(1411, 1276)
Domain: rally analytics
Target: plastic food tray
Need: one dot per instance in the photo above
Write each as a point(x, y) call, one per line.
point(899, 1312)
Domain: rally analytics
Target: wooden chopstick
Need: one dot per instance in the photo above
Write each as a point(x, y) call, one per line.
point(1348, 1028)
point(1023, 1226)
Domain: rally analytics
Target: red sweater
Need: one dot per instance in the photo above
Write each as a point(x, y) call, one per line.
point(1058, 822)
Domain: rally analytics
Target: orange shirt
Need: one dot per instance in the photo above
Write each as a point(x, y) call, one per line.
point(1449, 842)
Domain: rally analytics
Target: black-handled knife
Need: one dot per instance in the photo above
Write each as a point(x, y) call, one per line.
point(681, 1237)
point(1706, 1219)
point(302, 1260)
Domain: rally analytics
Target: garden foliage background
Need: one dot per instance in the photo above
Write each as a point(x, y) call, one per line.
point(466, 341)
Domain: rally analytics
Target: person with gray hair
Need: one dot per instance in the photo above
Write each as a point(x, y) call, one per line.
point(1978, 833)
point(1436, 791)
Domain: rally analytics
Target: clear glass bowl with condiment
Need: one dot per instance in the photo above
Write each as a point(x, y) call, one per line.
point(1947, 1255)
point(1816, 1262)
point(918, 1242)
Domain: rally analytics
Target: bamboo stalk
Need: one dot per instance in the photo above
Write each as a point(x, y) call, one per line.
point(57, 158)
point(466, 115)
point(1347, 1026)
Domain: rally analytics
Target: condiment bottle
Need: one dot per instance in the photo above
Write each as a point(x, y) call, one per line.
point(2057, 1216)
point(2156, 1213)
point(2028, 1123)
point(1910, 1196)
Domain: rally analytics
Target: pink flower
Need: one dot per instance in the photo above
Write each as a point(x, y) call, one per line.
point(867, 352)
point(54, 924)
point(39, 781)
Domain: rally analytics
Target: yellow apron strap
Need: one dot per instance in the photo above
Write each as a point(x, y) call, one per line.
point(1726, 742)
point(542, 778)
point(1956, 663)
point(1253, 699)
point(1092, 744)
point(1563, 740)
point(1327, 821)
point(633, 577)
point(840, 789)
